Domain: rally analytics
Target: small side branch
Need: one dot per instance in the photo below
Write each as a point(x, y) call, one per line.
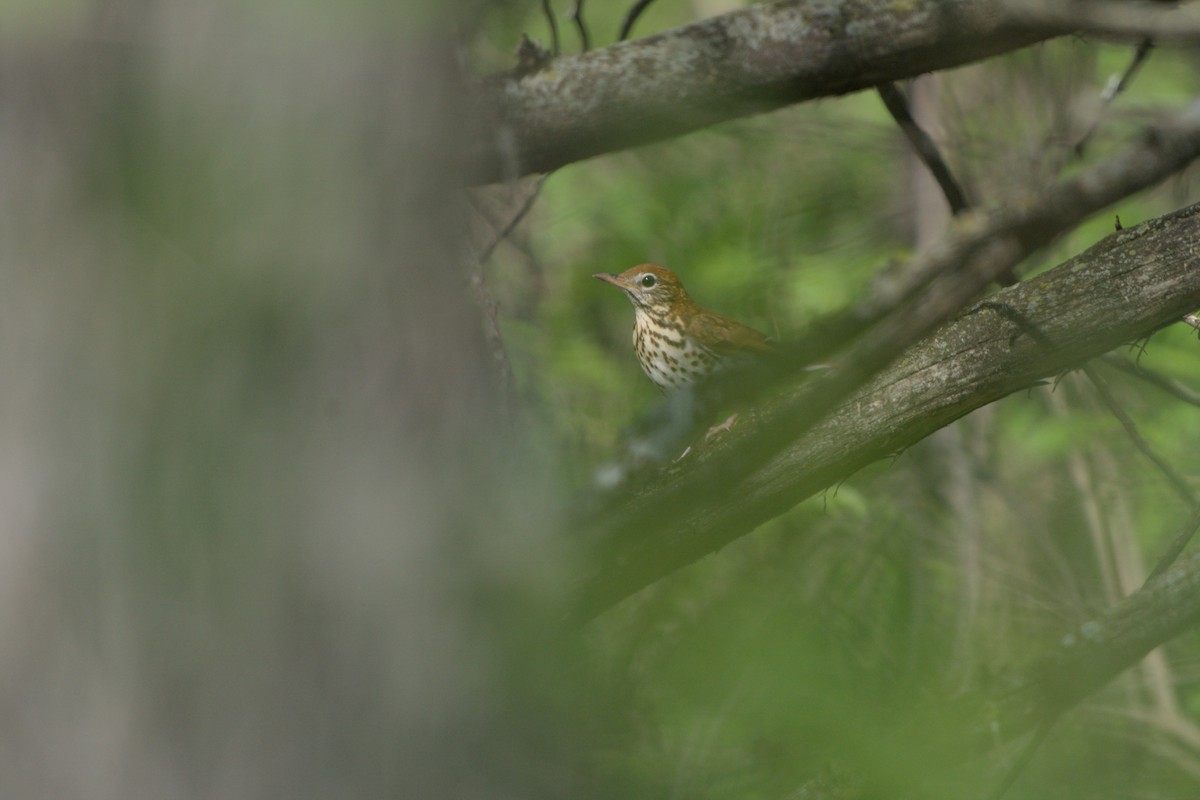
point(929, 154)
point(631, 17)
point(1113, 89)
point(926, 149)
point(1031, 697)
point(553, 23)
point(524, 208)
point(1110, 402)
point(1095, 652)
point(1178, 543)
point(1169, 385)
point(576, 17)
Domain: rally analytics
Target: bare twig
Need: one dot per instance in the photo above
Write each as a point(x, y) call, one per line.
point(1114, 88)
point(635, 92)
point(631, 17)
point(1169, 385)
point(487, 303)
point(503, 233)
point(549, 12)
point(926, 149)
point(1106, 398)
point(1087, 657)
point(576, 16)
point(1140, 54)
point(1178, 543)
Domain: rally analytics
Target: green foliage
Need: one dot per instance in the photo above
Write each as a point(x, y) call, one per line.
point(266, 532)
point(781, 658)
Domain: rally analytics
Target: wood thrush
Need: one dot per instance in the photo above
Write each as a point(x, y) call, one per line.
point(678, 343)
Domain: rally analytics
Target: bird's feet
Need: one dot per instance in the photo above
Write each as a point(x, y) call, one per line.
point(713, 431)
point(724, 426)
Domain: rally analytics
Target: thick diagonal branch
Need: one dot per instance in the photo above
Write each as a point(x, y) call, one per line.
point(833, 426)
point(1124, 287)
point(745, 62)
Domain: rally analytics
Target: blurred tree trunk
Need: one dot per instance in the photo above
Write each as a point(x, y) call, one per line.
point(248, 440)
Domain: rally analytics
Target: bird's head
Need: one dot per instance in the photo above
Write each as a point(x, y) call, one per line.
point(648, 286)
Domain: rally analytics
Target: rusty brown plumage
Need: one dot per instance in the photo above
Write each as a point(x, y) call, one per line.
point(677, 342)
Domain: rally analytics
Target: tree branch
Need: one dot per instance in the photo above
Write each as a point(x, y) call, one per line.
point(928, 736)
point(515, 220)
point(1115, 86)
point(1094, 653)
point(631, 17)
point(1177, 481)
point(1086, 307)
point(1178, 542)
point(576, 16)
point(1031, 697)
point(748, 61)
point(1159, 21)
point(1034, 695)
point(1169, 385)
point(925, 148)
point(548, 11)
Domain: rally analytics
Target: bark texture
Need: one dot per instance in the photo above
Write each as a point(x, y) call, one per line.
point(745, 62)
point(1125, 287)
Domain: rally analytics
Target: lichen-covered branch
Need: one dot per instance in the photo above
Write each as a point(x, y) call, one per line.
point(745, 62)
point(1123, 288)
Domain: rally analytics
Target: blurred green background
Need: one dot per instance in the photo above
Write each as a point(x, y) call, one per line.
point(270, 530)
point(771, 662)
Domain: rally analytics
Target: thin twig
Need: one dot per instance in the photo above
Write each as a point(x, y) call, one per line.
point(1182, 537)
point(927, 151)
point(1181, 541)
point(487, 303)
point(549, 12)
point(1169, 385)
point(1114, 88)
point(1106, 397)
point(527, 204)
point(576, 16)
point(631, 17)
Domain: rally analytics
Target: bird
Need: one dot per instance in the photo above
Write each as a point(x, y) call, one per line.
point(678, 343)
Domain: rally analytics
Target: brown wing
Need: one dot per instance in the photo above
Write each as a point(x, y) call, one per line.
point(725, 336)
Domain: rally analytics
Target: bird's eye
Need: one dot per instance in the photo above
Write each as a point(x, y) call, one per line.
point(648, 281)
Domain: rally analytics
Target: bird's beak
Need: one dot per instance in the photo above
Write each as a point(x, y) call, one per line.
point(608, 277)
